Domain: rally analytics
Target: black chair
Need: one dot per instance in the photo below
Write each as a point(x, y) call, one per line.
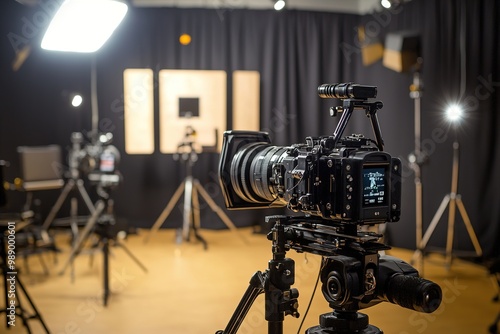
point(40, 168)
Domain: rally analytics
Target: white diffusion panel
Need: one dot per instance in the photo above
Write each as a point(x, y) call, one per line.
point(246, 100)
point(138, 112)
point(192, 98)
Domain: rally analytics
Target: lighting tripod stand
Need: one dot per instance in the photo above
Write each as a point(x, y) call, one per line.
point(101, 220)
point(191, 187)
point(452, 201)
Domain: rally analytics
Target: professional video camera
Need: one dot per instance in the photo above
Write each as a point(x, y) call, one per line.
point(98, 160)
point(338, 179)
point(339, 184)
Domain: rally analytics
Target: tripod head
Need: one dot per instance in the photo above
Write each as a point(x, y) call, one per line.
point(186, 151)
point(353, 274)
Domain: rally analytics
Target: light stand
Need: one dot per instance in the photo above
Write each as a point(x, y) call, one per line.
point(417, 157)
point(451, 200)
point(191, 187)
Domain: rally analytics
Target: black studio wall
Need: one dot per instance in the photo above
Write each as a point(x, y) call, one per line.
point(294, 51)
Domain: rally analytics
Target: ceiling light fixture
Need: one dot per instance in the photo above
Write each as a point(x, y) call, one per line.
point(83, 25)
point(279, 5)
point(386, 4)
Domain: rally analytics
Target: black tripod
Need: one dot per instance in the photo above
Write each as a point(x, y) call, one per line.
point(101, 221)
point(353, 277)
point(14, 289)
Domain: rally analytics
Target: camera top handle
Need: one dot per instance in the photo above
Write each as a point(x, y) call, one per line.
point(353, 97)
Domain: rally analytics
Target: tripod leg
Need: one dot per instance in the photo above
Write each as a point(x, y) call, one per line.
point(451, 231)
point(132, 256)
point(188, 205)
point(196, 216)
point(85, 196)
point(37, 314)
point(83, 236)
point(105, 253)
point(469, 227)
point(218, 210)
point(5, 285)
point(166, 211)
point(255, 288)
point(434, 222)
point(432, 226)
point(58, 204)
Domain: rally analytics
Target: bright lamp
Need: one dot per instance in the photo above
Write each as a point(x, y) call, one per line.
point(83, 25)
point(454, 112)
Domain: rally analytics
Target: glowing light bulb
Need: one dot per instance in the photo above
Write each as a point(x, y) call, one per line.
point(454, 112)
point(279, 5)
point(76, 101)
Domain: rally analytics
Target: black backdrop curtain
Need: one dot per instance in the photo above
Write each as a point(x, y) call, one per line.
point(294, 51)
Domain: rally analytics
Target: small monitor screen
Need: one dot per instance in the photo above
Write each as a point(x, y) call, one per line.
point(374, 186)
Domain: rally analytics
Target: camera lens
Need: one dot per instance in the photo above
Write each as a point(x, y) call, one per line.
point(414, 293)
point(334, 288)
point(252, 170)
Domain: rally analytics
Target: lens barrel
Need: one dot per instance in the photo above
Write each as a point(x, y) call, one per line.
point(252, 172)
point(414, 293)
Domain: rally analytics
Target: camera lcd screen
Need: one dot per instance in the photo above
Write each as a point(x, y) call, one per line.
point(374, 192)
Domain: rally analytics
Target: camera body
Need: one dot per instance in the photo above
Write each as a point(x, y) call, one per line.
point(341, 179)
point(350, 182)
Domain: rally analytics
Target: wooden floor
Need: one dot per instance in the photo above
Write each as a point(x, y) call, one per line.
point(191, 290)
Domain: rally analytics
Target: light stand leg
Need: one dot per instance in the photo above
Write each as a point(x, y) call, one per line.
point(85, 196)
point(418, 160)
point(58, 204)
point(196, 223)
point(186, 216)
point(469, 227)
point(132, 256)
point(215, 208)
point(166, 212)
point(451, 230)
point(451, 200)
point(84, 235)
